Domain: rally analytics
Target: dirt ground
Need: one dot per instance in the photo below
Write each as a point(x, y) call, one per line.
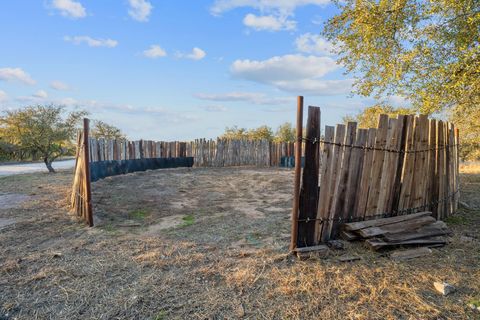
point(210, 244)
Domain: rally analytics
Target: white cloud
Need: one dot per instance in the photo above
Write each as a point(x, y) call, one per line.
point(41, 94)
point(214, 108)
point(251, 97)
point(155, 51)
point(58, 85)
point(3, 96)
point(283, 7)
point(140, 10)
point(16, 74)
point(269, 23)
point(91, 42)
point(291, 67)
point(196, 54)
point(70, 8)
point(314, 44)
point(293, 73)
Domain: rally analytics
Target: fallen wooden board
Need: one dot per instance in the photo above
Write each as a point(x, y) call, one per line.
point(377, 244)
point(353, 226)
point(399, 255)
point(435, 229)
point(403, 226)
point(349, 236)
point(312, 251)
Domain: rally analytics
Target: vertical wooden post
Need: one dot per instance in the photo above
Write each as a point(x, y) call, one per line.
point(298, 170)
point(88, 195)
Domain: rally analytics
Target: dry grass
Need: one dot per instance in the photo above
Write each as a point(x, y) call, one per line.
point(228, 262)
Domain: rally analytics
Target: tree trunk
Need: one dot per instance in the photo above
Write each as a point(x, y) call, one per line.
point(48, 163)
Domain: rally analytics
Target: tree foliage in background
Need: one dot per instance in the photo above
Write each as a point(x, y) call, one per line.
point(368, 117)
point(284, 133)
point(42, 130)
point(106, 131)
point(426, 51)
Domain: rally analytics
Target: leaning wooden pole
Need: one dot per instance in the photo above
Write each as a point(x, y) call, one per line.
point(86, 155)
point(298, 171)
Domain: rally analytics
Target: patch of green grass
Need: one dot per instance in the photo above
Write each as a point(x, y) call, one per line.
point(188, 220)
point(456, 220)
point(475, 302)
point(138, 214)
point(161, 315)
point(110, 228)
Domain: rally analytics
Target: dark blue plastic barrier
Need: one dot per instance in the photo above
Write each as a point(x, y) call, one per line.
point(102, 169)
point(289, 162)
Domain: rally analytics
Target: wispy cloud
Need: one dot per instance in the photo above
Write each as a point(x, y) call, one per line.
point(70, 8)
point(59, 85)
point(269, 23)
point(252, 97)
point(298, 74)
point(314, 44)
point(91, 42)
point(214, 108)
point(16, 74)
point(3, 96)
point(155, 51)
point(41, 94)
point(275, 15)
point(140, 10)
point(196, 54)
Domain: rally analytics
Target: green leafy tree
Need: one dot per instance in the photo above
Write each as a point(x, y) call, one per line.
point(106, 131)
point(285, 133)
point(368, 117)
point(261, 133)
point(43, 130)
point(426, 51)
point(233, 133)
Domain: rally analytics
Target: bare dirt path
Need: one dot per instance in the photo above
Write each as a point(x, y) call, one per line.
point(11, 169)
point(210, 244)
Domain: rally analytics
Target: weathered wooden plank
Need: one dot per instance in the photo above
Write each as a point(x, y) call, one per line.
point(353, 226)
point(377, 244)
point(355, 174)
point(336, 167)
point(419, 177)
point(309, 192)
point(364, 187)
point(435, 229)
point(403, 226)
point(441, 169)
point(378, 159)
point(337, 209)
point(325, 182)
point(401, 255)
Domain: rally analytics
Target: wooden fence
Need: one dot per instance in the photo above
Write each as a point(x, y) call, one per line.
point(406, 164)
point(206, 153)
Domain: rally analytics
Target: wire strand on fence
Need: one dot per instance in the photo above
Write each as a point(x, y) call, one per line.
point(376, 148)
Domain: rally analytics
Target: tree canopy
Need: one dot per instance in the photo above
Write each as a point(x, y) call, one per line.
point(106, 131)
point(427, 51)
point(284, 133)
point(368, 117)
point(43, 130)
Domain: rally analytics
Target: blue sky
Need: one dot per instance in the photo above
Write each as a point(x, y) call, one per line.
point(170, 70)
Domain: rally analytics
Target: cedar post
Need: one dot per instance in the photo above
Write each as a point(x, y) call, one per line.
point(88, 190)
point(298, 169)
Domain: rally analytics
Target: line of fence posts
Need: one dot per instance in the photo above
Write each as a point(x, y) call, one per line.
point(406, 164)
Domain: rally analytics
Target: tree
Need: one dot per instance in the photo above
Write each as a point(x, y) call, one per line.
point(426, 51)
point(106, 131)
point(43, 130)
point(285, 133)
point(368, 117)
point(261, 133)
point(234, 133)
